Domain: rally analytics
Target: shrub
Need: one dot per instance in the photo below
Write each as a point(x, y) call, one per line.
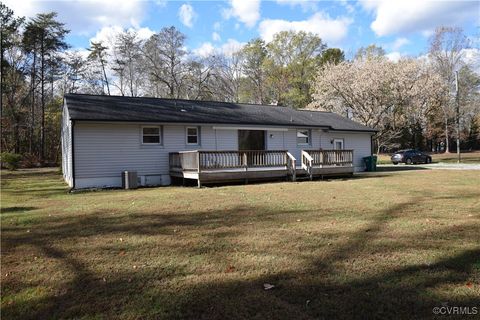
point(10, 160)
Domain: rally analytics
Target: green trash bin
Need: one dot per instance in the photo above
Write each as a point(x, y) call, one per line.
point(370, 163)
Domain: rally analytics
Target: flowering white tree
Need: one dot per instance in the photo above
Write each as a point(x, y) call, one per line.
point(379, 93)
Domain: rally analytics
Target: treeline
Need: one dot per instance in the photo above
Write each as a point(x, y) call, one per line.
point(295, 69)
point(430, 103)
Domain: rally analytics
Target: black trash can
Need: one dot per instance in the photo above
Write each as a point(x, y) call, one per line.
point(370, 163)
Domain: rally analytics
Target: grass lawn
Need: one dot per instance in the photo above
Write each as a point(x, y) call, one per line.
point(386, 245)
point(467, 157)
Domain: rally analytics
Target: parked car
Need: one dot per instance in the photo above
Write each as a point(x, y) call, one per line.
point(410, 156)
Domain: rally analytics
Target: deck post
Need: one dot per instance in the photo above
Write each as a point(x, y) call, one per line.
point(245, 164)
point(294, 170)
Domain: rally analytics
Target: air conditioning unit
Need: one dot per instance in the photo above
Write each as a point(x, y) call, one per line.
point(129, 180)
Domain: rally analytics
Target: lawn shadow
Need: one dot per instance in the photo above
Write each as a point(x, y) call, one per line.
point(16, 209)
point(303, 294)
point(393, 168)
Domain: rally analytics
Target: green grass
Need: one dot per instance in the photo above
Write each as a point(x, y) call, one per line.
point(376, 246)
point(467, 157)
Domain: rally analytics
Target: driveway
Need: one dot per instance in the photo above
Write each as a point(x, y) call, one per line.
point(438, 166)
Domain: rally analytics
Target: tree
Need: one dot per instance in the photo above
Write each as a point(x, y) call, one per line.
point(372, 51)
point(332, 55)
point(446, 51)
point(165, 57)
point(253, 55)
point(15, 92)
point(9, 26)
point(292, 61)
point(44, 36)
point(379, 93)
point(74, 68)
point(128, 62)
point(99, 54)
point(228, 76)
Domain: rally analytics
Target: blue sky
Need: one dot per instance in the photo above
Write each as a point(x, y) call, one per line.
point(400, 27)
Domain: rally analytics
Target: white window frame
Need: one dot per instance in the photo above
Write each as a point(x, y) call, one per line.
point(309, 135)
point(335, 144)
point(198, 136)
point(160, 136)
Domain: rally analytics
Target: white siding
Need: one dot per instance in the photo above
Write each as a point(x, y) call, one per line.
point(104, 150)
point(66, 140)
point(359, 142)
point(226, 139)
point(290, 142)
point(275, 140)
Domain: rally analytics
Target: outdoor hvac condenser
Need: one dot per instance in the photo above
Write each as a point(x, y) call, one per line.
point(129, 180)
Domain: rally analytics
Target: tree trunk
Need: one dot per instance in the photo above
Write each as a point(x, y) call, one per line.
point(42, 83)
point(1, 74)
point(32, 109)
point(447, 144)
point(105, 76)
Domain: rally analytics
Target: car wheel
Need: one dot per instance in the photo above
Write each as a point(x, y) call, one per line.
point(395, 163)
point(428, 160)
point(408, 161)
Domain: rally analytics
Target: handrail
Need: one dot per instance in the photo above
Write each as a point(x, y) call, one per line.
point(307, 163)
point(331, 157)
point(198, 160)
point(292, 166)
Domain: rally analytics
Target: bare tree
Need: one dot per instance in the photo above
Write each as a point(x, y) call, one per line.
point(446, 52)
point(128, 62)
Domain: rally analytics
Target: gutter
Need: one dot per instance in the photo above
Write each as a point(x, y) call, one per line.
point(274, 126)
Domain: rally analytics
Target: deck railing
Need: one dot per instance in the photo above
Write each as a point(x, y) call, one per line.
point(325, 158)
point(199, 160)
point(331, 157)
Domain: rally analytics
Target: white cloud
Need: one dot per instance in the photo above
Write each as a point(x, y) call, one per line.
point(84, 17)
point(107, 35)
point(330, 30)
point(216, 36)
point(394, 56)
point(246, 11)
point(228, 48)
point(392, 17)
point(346, 4)
point(187, 15)
point(216, 26)
point(205, 50)
point(471, 57)
point(231, 46)
point(400, 42)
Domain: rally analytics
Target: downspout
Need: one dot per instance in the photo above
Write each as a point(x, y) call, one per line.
point(73, 156)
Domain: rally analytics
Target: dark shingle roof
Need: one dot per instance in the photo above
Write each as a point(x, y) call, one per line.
point(116, 108)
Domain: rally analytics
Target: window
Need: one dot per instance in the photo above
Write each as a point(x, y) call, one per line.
point(193, 136)
point(151, 135)
point(338, 144)
point(303, 136)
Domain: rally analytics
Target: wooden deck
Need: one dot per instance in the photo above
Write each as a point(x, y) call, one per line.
point(227, 166)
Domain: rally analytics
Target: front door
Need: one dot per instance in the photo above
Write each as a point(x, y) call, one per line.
point(251, 140)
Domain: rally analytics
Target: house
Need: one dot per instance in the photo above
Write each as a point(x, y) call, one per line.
point(161, 139)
